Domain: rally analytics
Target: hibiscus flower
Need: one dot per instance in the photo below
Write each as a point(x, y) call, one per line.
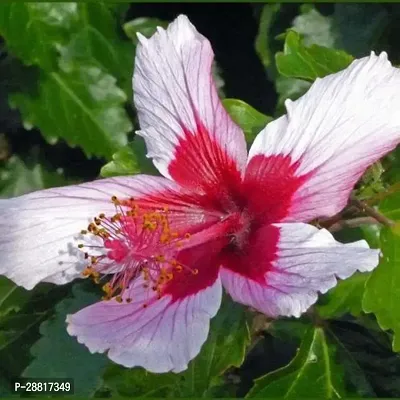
point(163, 247)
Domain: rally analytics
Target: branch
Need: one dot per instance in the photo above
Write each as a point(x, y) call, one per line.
point(352, 223)
point(364, 207)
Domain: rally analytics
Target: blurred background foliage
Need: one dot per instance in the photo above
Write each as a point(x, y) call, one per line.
point(67, 116)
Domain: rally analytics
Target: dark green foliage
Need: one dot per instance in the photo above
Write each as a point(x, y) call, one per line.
point(66, 72)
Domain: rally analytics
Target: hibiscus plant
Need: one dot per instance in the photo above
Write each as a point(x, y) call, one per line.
point(223, 252)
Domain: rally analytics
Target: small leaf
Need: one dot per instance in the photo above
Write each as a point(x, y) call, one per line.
point(262, 45)
point(247, 117)
point(18, 178)
point(130, 160)
point(382, 290)
point(58, 355)
point(146, 26)
point(34, 31)
point(83, 106)
point(312, 373)
point(12, 297)
point(344, 298)
point(309, 63)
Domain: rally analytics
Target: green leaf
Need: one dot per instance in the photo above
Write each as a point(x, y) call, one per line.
point(344, 298)
point(139, 383)
point(146, 26)
point(17, 178)
point(309, 63)
point(13, 326)
point(82, 106)
point(130, 160)
point(370, 365)
point(58, 355)
point(247, 117)
point(390, 206)
point(360, 26)
point(268, 15)
point(383, 288)
point(97, 42)
point(354, 368)
point(312, 373)
point(225, 347)
point(12, 297)
point(354, 28)
point(34, 31)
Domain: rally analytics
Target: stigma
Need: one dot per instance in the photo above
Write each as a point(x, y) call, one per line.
point(130, 244)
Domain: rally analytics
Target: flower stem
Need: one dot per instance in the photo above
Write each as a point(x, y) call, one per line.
point(352, 223)
point(364, 207)
point(382, 195)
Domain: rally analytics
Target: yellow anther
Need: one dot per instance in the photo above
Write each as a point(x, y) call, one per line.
point(160, 258)
point(149, 225)
point(118, 299)
point(80, 246)
point(87, 271)
point(97, 221)
point(164, 239)
point(179, 268)
point(84, 232)
point(195, 271)
point(115, 200)
point(187, 235)
point(116, 217)
point(102, 215)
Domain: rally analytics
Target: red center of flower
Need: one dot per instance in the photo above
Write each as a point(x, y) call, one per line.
point(133, 243)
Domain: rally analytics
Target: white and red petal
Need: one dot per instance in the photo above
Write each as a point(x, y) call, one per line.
point(160, 334)
point(344, 123)
point(40, 232)
point(188, 133)
point(285, 266)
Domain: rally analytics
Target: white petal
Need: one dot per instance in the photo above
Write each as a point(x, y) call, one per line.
point(178, 106)
point(163, 337)
point(344, 123)
point(306, 261)
point(40, 231)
